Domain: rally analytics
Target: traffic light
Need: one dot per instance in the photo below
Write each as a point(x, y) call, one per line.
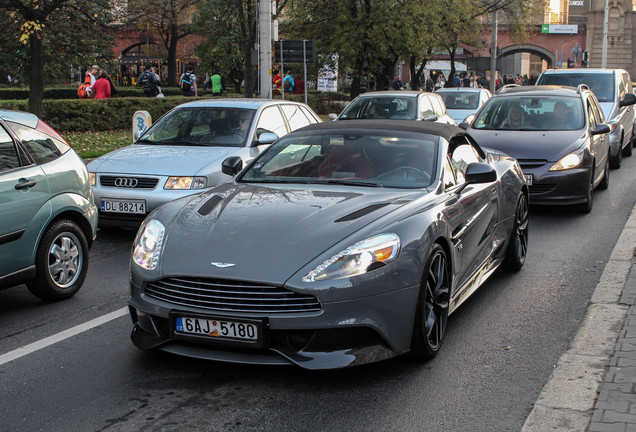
point(585, 58)
point(570, 63)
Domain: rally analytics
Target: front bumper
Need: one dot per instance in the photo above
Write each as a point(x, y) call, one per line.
point(152, 198)
point(558, 187)
point(342, 334)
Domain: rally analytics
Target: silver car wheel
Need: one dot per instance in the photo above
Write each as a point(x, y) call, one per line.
point(65, 260)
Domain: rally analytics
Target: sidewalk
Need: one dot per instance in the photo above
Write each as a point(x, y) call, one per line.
point(593, 387)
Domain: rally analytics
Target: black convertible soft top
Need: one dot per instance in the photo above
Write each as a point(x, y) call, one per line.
point(444, 130)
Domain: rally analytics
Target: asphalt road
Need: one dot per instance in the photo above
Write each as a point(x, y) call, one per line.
point(501, 347)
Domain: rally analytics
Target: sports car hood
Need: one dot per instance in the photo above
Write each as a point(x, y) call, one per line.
point(252, 232)
point(159, 160)
point(550, 146)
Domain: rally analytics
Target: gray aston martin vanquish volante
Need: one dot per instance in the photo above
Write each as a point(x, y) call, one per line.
point(343, 243)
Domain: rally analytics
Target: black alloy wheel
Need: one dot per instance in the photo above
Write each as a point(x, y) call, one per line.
point(518, 244)
point(61, 262)
point(432, 306)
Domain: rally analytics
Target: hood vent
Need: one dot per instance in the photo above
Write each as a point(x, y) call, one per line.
point(209, 205)
point(362, 212)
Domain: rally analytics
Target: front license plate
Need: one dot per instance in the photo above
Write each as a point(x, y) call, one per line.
point(123, 206)
point(215, 328)
point(529, 179)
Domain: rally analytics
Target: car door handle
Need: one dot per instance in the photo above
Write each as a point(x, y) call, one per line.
point(24, 184)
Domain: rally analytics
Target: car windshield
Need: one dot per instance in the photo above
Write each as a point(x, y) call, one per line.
point(531, 113)
point(602, 84)
point(382, 107)
point(353, 157)
point(460, 99)
point(219, 126)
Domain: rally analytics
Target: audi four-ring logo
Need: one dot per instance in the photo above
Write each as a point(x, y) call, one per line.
point(126, 182)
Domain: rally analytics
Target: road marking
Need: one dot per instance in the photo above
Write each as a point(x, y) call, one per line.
point(48, 341)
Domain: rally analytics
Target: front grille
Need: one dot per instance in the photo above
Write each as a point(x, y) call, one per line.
point(532, 163)
point(142, 182)
point(230, 296)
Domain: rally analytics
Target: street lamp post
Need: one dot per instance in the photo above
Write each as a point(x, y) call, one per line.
point(605, 25)
point(265, 48)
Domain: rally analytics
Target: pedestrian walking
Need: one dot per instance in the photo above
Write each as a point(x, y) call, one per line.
point(217, 84)
point(101, 88)
point(188, 82)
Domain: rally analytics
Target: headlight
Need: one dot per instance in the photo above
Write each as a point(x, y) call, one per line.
point(569, 161)
point(92, 177)
point(186, 183)
point(147, 246)
point(357, 259)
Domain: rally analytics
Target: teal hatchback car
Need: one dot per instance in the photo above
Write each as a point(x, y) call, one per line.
point(48, 220)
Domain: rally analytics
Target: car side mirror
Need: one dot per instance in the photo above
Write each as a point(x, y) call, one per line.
point(333, 116)
point(430, 117)
point(478, 172)
point(136, 135)
point(232, 165)
point(601, 129)
point(266, 138)
point(630, 99)
point(464, 125)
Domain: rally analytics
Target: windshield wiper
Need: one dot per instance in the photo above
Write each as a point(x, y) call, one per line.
point(315, 181)
point(346, 182)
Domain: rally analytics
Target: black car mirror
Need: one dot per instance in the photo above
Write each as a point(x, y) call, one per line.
point(477, 172)
point(600, 129)
point(464, 125)
point(232, 165)
point(266, 138)
point(630, 99)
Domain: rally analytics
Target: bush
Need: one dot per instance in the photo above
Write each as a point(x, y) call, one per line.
point(85, 115)
point(70, 92)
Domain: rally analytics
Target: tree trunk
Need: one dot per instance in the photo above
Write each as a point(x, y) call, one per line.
point(36, 74)
point(173, 73)
point(451, 76)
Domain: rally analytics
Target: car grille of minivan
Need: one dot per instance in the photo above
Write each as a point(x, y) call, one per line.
point(230, 295)
point(128, 182)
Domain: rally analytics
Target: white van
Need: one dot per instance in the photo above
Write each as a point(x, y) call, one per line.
point(613, 89)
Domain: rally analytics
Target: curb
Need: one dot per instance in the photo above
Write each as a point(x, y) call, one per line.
point(567, 401)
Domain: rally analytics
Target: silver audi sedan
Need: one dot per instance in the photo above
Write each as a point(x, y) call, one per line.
point(181, 154)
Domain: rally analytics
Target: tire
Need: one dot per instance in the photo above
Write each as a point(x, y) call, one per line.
point(615, 162)
point(604, 184)
point(628, 150)
point(586, 207)
point(431, 313)
point(61, 262)
point(518, 244)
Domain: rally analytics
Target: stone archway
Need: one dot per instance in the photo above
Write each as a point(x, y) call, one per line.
point(546, 55)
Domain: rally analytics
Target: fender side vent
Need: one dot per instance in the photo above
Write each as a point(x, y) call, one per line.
point(209, 205)
point(362, 212)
